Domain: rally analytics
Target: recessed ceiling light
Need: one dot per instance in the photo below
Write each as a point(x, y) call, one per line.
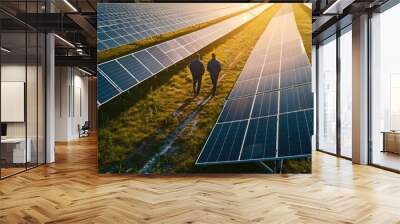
point(5, 50)
point(337, 7)
point(64, 40)
point(70, 5)
point(84, 71)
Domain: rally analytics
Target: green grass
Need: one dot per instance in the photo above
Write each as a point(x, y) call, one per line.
point(144, 43)
point(304, 24)
point(134, 125)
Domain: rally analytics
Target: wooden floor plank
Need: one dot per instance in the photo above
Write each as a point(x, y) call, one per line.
point(71, 191)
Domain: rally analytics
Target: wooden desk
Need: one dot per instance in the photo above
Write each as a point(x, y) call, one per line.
point(391, 141)
point(13, 150)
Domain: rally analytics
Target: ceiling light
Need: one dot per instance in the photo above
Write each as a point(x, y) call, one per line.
point(5, 50)
point(70, 5)
point(65, 41)
point(84, 71)
point(331, 7)
point(338, 6)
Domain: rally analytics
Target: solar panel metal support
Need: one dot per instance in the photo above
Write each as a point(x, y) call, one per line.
point(278, 166)
point(265, 167)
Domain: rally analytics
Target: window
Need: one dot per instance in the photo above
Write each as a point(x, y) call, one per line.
point(385, 89)
point(346, 92)
point(327, 95)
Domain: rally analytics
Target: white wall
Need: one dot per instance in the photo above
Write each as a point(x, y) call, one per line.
point(14, 72)
point(71, 102)
point(33, 127)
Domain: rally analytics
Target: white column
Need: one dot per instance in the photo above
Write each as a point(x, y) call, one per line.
point(360, 90)
point(50, 94)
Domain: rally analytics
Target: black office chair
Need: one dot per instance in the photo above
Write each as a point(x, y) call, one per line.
point(84, 130)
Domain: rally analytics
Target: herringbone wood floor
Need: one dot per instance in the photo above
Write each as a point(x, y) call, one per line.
point(71, 191)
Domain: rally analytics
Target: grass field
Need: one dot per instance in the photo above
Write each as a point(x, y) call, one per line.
point(133, 126)
point(141, 44)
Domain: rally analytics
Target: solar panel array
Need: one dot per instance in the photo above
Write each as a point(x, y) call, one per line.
point(269, 112)
point(123, 23)
point(121, 74)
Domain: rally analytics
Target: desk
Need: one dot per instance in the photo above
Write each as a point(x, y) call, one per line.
point(15, 148)
point(391, 141)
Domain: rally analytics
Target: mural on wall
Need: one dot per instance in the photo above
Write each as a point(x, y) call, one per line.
point(204, 88)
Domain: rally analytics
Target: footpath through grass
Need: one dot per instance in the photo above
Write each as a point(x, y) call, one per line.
point(147, 42)
point(133, 127)
point(304, 24)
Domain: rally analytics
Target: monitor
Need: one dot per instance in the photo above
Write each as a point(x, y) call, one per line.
point(3, 129)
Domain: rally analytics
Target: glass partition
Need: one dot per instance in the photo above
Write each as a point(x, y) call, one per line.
point(13, 105)
point(41, 96)
point(327, 95)
point(385, 89)
point(22, 101)
point(32, 98)
point(346, 92)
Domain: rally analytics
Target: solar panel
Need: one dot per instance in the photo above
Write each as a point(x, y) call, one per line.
point(118, 74)
point(272, 101)
point(237, 109)
point(223, 142)
point(260, 139)
point(244, 88)
point(105, 90)
point(148, 62)
point(160, 56)
point(122, 23)
point(294, 133)
point(265, 104)
point(137, 69)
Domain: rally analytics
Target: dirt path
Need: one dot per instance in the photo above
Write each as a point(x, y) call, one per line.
point(166, 147)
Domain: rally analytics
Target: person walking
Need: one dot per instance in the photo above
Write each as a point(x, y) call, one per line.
point(197, 69)
point(214, 68)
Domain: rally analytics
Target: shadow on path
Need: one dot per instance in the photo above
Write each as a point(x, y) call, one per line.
point(166, 146)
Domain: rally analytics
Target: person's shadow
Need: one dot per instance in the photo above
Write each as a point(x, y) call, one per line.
point(185, 103)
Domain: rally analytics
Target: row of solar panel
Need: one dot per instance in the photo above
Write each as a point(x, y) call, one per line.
point(116, 13)
point(266, 104)
point(273, 91)
point(127, 23)
point(128, 71)
point(270, 82)
point(259, 143)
